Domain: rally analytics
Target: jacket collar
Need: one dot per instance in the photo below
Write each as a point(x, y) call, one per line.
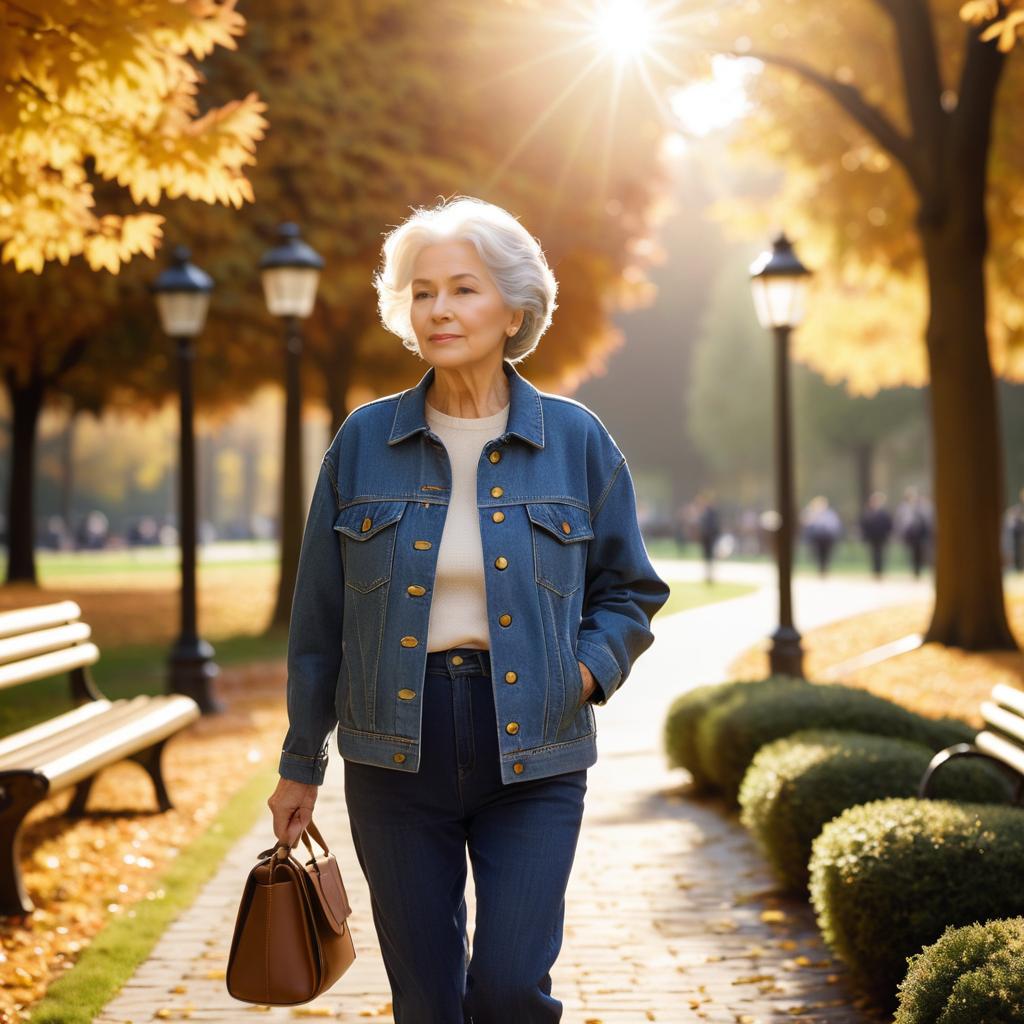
point(525, 415)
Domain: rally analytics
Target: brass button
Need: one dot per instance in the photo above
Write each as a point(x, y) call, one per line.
point(566, 528)
point(407, 694)
point(416, 590)
point(398, 758)
point(409, 641)
point(501, 562)
point(367, 523)
point(506, 619)
point(422, 545)
point(512, 728)
point(457, 659)
point(498, 517)
point(518, 767)
point(495, 456)
point(497, 492)
point(510, 677)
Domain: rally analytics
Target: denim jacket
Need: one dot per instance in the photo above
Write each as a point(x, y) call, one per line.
point(567, 578)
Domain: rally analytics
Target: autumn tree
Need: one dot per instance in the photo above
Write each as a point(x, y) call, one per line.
point(896, 121)
point(367, 122)
point(98, 99)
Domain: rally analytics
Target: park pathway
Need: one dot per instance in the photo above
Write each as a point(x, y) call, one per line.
point(671, 913)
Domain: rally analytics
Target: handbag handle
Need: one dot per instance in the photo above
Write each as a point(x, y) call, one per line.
point(281, 845)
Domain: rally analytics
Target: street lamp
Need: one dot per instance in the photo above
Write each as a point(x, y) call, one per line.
point(290, 273)
point(182, 294)
point(778, 281)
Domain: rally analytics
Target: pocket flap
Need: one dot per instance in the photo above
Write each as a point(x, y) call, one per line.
point(362, 521)
point(566, 522)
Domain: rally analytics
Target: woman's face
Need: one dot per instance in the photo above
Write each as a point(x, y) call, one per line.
point(457, 313)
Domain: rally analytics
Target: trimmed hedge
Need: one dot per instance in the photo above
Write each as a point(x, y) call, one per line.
point(679, 734)
point(733, 730)
point(796, 784)
point(971, 975)
point(888, 877)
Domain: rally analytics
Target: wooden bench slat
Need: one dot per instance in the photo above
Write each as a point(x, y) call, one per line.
point(82, 731)
point(1006, 721)
point(50, 664)
point(1000, 748)
point(51, 727)
point(15, 648)
point(1010, 696)
point(24, 619)
point(86, 760)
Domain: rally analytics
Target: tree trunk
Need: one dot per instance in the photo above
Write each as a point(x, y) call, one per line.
point(969, 609)
point(26, 403)
point(67, 478)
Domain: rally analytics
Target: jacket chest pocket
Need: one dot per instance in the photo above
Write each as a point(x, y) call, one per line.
point(368, 532)
point(559, 531)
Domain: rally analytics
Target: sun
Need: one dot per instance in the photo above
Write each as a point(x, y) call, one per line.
point(623, 28)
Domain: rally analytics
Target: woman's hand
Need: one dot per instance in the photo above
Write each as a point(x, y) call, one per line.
point(589, 683)
point(292, 806)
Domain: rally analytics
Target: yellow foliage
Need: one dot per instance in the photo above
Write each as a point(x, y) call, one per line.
point(1006, 29)
point(112, 88)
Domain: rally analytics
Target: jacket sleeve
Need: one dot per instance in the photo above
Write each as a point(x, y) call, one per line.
point(314, 638)
point(623, 592)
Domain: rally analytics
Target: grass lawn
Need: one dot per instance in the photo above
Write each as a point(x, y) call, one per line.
point(687, 594)
point(849, 558)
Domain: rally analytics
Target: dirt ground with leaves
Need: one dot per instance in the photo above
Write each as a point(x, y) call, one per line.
point(81, 873)
point(933, 679)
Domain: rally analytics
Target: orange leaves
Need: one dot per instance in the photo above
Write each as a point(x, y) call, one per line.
point(115, 88)
point(1006, 29)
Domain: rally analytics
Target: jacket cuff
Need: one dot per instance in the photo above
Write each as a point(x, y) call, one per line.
point(299, 768)
point(603, 667)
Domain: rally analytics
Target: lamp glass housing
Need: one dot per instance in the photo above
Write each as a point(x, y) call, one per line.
point(182, 314)
point(290, 291)
point(780, 300)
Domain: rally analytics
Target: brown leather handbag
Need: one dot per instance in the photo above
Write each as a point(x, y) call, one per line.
point(292, 940)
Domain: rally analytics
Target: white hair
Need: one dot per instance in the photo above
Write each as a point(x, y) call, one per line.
point(512, 255)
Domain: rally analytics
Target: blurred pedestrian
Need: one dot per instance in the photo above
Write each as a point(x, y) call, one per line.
point(822, 528)
point(709, 529)
point(1015, 530)
point(914, 526)
point(876, 525)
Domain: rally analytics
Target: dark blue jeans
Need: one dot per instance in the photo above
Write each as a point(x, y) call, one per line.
point(411, 831)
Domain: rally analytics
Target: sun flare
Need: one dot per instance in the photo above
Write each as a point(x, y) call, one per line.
point(623, 28)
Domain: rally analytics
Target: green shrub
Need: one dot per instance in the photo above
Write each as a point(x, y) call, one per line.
point(731, 731)
point(796, 784)
point(887, 877)
point(679, 735)
point(971, 975)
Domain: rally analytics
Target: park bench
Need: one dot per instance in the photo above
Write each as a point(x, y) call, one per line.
point(71, 748)
point(1002, 742)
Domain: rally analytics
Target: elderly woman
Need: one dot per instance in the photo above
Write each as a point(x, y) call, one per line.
point(472, 583)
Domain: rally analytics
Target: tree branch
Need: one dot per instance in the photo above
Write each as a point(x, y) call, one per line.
point(870, 118)
point(972, 121)
point(70, 357)
point(922, 79)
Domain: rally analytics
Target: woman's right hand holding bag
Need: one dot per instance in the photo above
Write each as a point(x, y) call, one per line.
point(291, 804)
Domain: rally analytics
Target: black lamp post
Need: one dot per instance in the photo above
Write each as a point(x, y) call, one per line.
point(779, 284)
point(291, 273)
point(182, 298)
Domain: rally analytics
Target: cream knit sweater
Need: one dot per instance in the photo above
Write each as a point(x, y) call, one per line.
point(458, 608)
